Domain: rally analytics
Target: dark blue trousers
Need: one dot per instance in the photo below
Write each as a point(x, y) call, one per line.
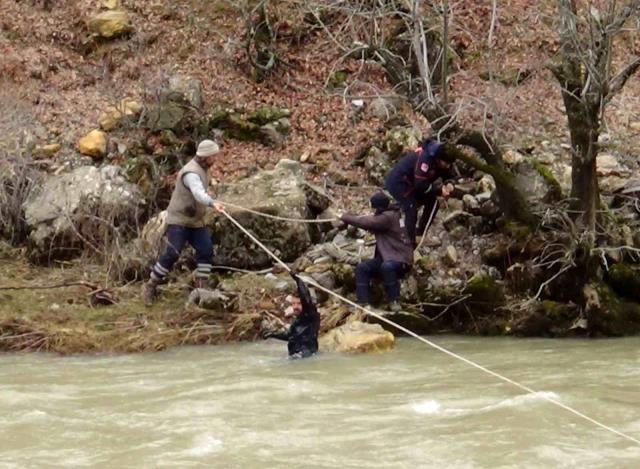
point(177, 237)
point(390, 271)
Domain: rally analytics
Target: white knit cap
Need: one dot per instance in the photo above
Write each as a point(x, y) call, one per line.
point(207, 148)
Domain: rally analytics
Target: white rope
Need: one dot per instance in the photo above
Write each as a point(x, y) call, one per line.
point(276, 217)
point(426, 228)
point(433, 344)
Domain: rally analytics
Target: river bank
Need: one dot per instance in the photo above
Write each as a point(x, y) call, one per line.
point(65, 320)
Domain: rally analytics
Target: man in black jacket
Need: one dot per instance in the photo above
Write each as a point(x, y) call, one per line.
point(302, 336)
point(394, 252)
point(413, 182)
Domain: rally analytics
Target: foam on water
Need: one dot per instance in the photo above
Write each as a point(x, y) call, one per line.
point(429, 407)
point(204, 444)
point(433, 407)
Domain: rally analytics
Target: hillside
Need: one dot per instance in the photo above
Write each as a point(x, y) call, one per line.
point(59, 76)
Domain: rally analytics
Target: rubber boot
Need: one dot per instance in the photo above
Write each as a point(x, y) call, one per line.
point(150, 292)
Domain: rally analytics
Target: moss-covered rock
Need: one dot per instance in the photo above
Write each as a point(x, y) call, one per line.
point(511, 76)
point(267, 114)
point(400, 140)
point(609, 315)
point(241, 129)
point(338, 79)
point(486, 293)
point(625, 280)
point(345, 276)
point(554, 192)
point(545, 319)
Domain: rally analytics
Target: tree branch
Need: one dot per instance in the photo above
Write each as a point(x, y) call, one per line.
point(617, 83)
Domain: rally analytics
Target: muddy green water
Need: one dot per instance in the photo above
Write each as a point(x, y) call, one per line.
point(246, 406)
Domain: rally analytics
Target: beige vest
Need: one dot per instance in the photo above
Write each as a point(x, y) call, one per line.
point(183, 208)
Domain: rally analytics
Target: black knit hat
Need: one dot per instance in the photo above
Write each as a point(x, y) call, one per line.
point(437, 149)
point(379, 201)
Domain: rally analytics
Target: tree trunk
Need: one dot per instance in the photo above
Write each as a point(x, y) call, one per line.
point(584, 128)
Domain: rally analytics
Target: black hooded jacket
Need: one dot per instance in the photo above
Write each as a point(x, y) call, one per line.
point(302, 335)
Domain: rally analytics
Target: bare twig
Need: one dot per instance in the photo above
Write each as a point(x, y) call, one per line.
point(81, 283)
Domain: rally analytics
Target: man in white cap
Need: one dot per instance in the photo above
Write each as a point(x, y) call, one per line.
point(185, 221)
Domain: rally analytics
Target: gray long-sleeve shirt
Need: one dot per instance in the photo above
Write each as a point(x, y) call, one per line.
point(194, 183)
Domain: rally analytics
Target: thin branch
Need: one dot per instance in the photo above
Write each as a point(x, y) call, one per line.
point(617, 83)
point(81, 283)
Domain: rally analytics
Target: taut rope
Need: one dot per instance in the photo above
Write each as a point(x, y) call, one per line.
point(430, 343)
point(277, 217)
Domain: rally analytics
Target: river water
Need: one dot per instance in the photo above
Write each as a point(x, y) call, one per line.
point(247, 406)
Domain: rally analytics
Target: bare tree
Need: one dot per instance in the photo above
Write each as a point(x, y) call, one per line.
point(18, 172)
point(584, 66)
point(410, 41)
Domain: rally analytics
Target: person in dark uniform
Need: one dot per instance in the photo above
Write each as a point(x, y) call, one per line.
point(393, 255)
point(413, 182)
point(302, 335)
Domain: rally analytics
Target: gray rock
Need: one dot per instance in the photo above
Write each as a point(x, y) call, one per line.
point(454, 205)
point(486, 184)
point(377, 164)
point(458, 217)
point(483, 197)
point(470, 203)
point(400, 140)
point(209, 299)
point(451, 255)
point(279, 192)
point(531, 182)
point(176, 105)
point(188, 87)
point(88, 204)
point(383, 108)
point(271, 136)
point(326, 279)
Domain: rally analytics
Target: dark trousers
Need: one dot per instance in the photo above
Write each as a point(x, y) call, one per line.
point(410, 203)
point(390, 271)
point(177, 237)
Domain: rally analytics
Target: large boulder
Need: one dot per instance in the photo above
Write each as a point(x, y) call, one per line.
point(188, 87)
point(357, 337)
point(381, 157)
point(281, 192)
point(84, 206)
point(268, 124)
point(177, 106)
point(537, 182)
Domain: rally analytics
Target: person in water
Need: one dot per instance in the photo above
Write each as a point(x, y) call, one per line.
point(302, 335)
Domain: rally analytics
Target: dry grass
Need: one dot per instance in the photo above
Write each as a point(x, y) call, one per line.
point(62, 320)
